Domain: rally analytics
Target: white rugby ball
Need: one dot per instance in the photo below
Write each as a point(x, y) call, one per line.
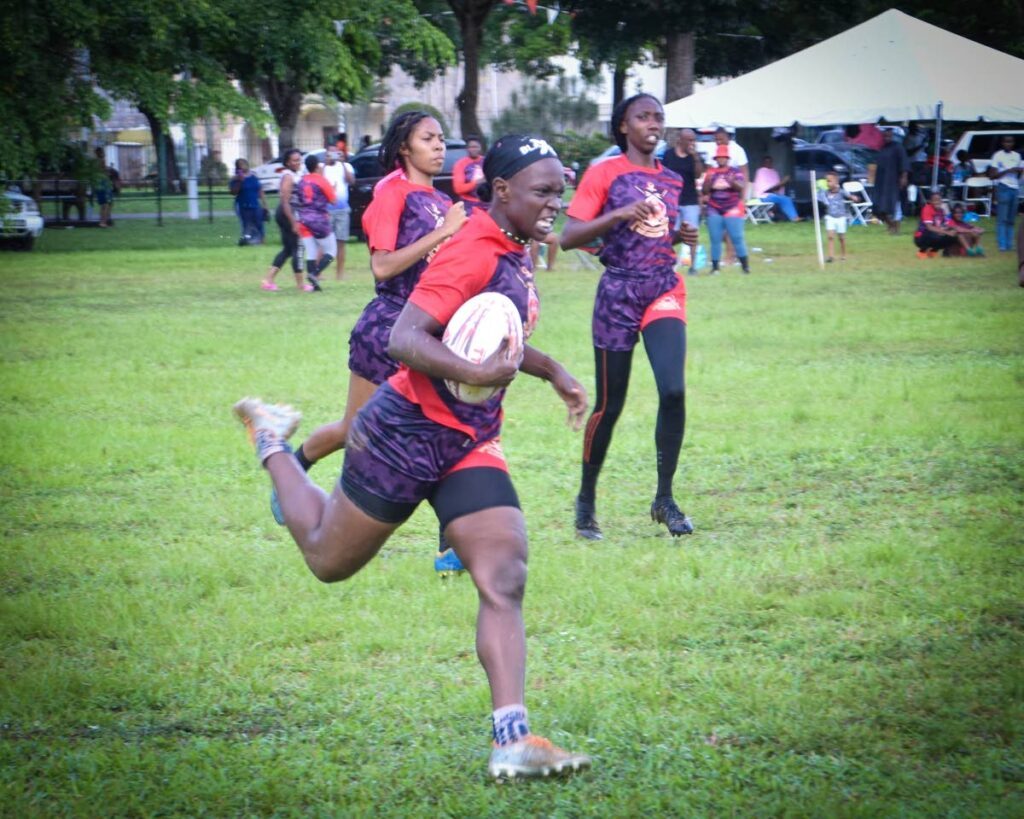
point(476, 331)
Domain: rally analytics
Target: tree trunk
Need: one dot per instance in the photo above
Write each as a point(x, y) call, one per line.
point(169, 173)
point(619, 83)
point(680, 54)
point(285, 101)
point(471, 15)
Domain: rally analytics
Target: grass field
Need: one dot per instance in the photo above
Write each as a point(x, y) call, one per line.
point(841, 637)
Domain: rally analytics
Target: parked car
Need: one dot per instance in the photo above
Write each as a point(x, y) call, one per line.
point(21, 223)
point(849, 161)
point(269, 174)
point(368, 172)
point(980, 145)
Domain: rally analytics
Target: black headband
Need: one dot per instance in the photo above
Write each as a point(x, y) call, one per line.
point(510, 154)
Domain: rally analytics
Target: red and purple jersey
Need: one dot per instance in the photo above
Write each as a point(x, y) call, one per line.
point(478, 259)
point(401, 213)
point(936, 217)
point(640, 245)
point(466, 175)
point(726, 200)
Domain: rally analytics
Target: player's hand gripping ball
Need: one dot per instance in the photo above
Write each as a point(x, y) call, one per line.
point(476, 331)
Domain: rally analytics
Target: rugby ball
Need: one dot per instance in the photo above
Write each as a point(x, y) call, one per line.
point(476, 332)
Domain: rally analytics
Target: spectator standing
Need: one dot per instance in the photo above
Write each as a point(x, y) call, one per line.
point(287, 222)
point(769, 186)
point(108, 185)
point(834, 199)
point(723, 193)
point(685, 160)
point(1005, 168)
point(250, 204)
point(340, 174)
point(737, 159)
point(468, 172)
point(891, 178)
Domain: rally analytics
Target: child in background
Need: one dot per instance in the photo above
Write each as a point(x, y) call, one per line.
point(968, 231)
point(834, 199)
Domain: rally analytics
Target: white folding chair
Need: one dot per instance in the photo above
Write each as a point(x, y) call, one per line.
point(978, 191)
point(759, 211)
point(860, 209)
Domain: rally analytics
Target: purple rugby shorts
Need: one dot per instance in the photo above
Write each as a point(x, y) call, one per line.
point(627, 301)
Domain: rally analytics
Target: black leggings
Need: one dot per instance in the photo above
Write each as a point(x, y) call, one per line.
point(665, 344)
point(289, 242)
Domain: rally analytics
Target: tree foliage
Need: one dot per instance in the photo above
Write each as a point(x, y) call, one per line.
point(45, 89)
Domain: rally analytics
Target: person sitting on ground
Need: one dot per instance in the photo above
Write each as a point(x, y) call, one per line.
point(769, 186)
point(934, 231)
point(968, 230)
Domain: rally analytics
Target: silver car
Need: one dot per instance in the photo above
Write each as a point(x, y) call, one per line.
point(21, 223)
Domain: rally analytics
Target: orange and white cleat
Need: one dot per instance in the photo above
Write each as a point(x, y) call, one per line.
point(269, 425)
point(533, 757)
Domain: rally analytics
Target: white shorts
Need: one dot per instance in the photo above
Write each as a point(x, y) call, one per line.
point(835, 224)
point(314, 247)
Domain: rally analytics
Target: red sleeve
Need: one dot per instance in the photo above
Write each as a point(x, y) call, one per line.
point(380, 219)
point(326, 187)
point(459, 271)
point(462, 187)
point(592, 192)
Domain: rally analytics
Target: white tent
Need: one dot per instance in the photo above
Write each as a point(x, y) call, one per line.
point(892, 66)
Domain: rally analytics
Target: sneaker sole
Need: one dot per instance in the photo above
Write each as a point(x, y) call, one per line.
point(509, 771)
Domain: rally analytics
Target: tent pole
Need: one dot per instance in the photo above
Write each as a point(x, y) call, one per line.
point(938, 146)
point(814, 210)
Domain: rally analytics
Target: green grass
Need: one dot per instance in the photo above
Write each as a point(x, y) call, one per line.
point(842, 636)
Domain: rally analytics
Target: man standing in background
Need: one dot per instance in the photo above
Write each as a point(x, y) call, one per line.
point(340, 174)
point(685, 161)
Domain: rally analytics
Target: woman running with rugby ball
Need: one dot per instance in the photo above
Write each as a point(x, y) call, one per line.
point(630, 202)
point(415, 441)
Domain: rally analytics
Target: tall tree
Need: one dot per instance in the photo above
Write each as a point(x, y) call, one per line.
point(45, 86)
point(162, 57)
point(331, 47)
point(505, 34)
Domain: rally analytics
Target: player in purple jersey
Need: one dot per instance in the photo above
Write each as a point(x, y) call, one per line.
point(630, 203)
point(405, 223)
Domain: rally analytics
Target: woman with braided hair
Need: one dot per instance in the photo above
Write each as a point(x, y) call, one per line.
point(630, 203)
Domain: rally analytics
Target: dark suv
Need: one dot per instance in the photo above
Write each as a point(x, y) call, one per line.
point(369, 172)
point(849, 161)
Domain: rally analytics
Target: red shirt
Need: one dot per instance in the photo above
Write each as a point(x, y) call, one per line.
point(478, 259)
point(466, 175)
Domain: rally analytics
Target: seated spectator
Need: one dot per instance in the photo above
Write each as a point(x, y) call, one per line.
point(768, 187)
point(934, 231)
point(968, 231)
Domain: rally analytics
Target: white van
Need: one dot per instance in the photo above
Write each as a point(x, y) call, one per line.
point(980, 145)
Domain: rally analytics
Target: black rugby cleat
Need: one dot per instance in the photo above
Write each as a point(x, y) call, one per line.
point(664, 510)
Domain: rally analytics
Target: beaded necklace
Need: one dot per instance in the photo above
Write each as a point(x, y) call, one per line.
point(513, 237)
